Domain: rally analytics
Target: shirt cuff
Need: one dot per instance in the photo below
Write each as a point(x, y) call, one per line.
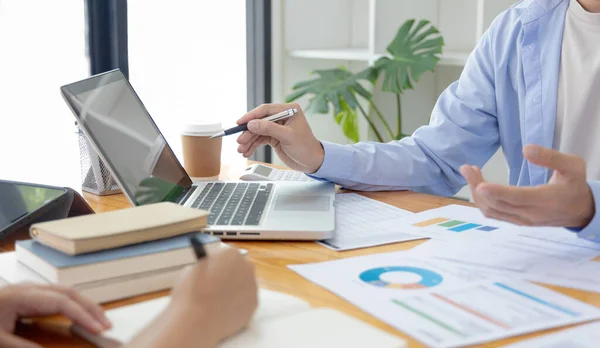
point(337, 162)
point(592, 231)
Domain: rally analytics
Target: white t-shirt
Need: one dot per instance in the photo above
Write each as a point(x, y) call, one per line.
point(577, 129)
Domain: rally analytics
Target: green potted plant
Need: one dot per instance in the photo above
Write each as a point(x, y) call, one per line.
point(415, 49)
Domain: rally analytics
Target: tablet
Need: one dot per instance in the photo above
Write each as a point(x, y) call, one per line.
point(22, 204)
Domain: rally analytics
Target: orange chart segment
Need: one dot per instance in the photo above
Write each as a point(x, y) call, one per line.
point(476, 313)
point(430, 222)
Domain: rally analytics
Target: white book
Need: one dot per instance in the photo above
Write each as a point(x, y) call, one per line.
point(280, 321)
point(106, 290)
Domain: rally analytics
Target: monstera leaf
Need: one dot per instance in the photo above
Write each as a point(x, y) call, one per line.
point(348, 119)
point(333, 86)
point(414, 50)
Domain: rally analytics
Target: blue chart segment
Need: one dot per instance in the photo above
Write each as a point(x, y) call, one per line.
point(428, 278)
point(538, 300)
point(464, 227)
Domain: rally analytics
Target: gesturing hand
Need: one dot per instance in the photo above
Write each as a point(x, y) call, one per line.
point(27, 300)
point(566, 200)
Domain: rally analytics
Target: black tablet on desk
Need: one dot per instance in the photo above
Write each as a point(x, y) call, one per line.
point(22, 204)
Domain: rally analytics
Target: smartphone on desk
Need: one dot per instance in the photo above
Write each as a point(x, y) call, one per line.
point(259, 172)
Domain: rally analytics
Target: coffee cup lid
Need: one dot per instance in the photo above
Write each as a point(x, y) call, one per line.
point(201, 129)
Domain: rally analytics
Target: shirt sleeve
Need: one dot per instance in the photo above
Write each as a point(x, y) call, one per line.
point(463, 130)
point(592, 231)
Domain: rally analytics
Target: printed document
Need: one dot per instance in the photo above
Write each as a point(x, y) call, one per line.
point(363, 222)
point(456, 222)
point(529, 259)
point(442, 304)
point(583, 336)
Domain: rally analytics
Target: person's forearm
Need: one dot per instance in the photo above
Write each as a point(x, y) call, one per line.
point(391, 166)
point(173, 328)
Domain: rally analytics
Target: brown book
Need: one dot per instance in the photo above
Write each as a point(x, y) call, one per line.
point(83, 234)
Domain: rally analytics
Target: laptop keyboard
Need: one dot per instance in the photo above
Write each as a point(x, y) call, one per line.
point(234, 203)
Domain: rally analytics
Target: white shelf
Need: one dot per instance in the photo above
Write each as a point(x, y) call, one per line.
point(362, 54)
point(355, 54)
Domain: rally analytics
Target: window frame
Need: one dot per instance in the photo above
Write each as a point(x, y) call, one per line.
point(106, 27)
point(258, 60)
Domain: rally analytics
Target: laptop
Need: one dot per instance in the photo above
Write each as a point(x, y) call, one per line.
point(122, 132)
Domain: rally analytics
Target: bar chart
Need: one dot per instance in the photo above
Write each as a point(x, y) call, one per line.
point(454, 221)
point(483, 312)
point(454, 225)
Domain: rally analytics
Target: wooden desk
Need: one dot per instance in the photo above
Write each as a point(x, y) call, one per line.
point(271, 260)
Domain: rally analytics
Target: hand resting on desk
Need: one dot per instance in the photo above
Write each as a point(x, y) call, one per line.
point(211, 301)
point(28, 300)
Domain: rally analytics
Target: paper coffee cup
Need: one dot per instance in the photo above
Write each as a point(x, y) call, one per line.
point(201, 155)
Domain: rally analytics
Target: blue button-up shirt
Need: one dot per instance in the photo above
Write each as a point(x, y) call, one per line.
point(506, 96)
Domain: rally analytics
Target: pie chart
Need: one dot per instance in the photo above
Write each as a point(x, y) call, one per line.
point(376, 277)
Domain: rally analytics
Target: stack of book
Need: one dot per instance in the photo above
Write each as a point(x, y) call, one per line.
point(113, 255)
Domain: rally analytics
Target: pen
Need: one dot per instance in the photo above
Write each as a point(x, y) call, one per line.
point(198, 248)
point(244, 127)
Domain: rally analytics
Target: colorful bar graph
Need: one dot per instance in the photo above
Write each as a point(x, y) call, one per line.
point(464, 227)
point(452, 223)
point(430, 222)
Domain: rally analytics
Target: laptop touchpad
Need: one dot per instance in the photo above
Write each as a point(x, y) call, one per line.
point(302, 203)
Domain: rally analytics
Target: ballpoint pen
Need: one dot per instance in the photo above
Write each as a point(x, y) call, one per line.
point(243, 127)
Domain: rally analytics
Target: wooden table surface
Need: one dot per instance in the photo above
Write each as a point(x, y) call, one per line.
point(271, 259)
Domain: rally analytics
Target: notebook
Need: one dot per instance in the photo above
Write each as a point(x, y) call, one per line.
point(280, 321)
point(113, 229)
point(106, 290)
point(60, 268)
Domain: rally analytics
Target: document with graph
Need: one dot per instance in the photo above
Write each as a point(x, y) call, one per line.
point(457, 222)
point(454, 222)
point(441, 304)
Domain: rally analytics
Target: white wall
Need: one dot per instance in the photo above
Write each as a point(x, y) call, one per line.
point(43, 47)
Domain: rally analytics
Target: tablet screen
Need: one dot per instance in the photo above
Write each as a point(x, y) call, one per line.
point(19, 200)
point(116, 121)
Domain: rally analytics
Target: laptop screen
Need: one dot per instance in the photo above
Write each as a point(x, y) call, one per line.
point(120, 127)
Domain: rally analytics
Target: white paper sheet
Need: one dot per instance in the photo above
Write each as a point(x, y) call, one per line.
point(363, 222)
point(443, 305)
point(583, 276)
point(485, 312)
point(537, 260)
point(583, 336)
point(456, 222)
